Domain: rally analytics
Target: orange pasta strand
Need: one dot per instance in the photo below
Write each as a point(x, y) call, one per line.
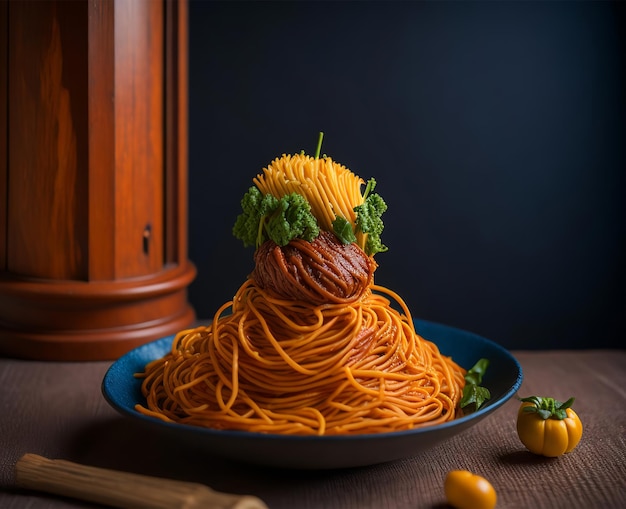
point(270, 366)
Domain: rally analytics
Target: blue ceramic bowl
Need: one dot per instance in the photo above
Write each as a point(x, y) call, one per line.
point(503, 378)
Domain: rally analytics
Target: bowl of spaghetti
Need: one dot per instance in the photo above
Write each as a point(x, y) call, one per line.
point(503, 378)
point(311, 364)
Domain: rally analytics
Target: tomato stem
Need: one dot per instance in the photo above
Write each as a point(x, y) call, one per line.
point(547, 408)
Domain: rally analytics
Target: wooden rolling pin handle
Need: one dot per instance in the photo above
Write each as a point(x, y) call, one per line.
point(122, 489)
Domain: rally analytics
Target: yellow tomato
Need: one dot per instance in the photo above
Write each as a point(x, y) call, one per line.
point(548, 427)
point(465, 490)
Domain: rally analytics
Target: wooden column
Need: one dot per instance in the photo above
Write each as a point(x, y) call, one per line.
point(93, 176)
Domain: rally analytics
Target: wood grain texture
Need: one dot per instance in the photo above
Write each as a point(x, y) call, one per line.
point(4, 79)
point(71, 320)
point(176, 131)
point(122, 489)
point(93, 210)
point(138, 136)
point(57, 410)
point(47, 138)
point(86, 130)
point(102, 175)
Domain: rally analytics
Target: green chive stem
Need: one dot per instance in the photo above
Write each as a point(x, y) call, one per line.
point(319, 145)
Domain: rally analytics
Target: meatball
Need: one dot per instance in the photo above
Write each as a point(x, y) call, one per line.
point(322, 271)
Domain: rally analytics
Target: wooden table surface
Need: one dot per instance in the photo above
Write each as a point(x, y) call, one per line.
point(56, 409)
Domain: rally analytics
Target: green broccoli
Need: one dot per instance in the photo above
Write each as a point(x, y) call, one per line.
point(281, 220)
point(291, 219)
point(368, 219)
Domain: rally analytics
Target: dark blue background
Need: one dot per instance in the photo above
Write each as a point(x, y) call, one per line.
point(495, 131)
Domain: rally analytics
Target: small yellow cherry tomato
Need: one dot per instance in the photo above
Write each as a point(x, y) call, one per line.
point(548, 427)
point(465, 490)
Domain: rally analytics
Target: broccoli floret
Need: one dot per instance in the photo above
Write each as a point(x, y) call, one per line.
point(291, 219)
point(247, 223)
point(281, 220)
point(368, 219)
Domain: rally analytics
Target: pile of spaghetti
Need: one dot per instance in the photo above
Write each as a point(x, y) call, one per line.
point(309, 344)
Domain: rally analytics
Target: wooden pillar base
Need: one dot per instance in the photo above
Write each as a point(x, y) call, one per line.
point(81, 321)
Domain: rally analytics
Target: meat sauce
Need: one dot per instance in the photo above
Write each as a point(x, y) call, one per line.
point(322, 271)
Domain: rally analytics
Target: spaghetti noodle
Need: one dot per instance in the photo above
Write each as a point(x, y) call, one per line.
point(334, 356)
point(330, 188)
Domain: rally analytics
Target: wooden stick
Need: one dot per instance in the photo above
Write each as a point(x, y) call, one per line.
point(122, 489)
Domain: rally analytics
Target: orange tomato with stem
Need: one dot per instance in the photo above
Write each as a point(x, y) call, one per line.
point(548, 427)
